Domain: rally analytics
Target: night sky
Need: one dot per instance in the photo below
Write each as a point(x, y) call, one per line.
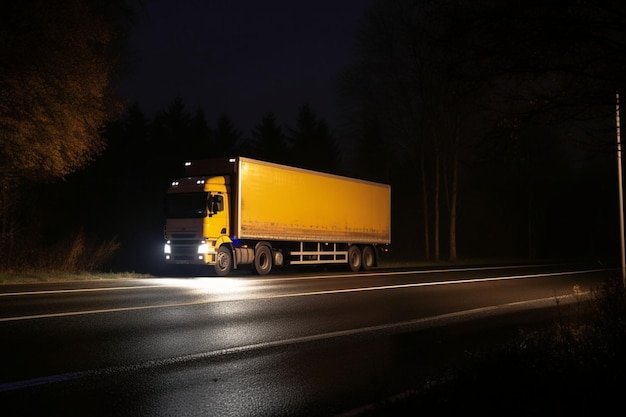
point(242, 57)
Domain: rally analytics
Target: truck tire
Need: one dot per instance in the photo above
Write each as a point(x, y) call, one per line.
point(354, 258)
point(263, 260)
point(368, 259)
point(224, 261)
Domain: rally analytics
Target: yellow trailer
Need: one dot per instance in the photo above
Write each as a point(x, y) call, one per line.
point(229, 212)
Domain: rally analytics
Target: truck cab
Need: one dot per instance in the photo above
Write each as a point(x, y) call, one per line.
point(197, 219)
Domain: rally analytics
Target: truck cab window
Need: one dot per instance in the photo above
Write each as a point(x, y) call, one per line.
point(186, 205)
point(216, 203)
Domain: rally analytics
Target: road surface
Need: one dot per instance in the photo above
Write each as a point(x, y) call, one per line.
point(310, 344)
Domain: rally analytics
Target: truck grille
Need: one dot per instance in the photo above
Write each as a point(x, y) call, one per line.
point(185, 252)
point(179, 251)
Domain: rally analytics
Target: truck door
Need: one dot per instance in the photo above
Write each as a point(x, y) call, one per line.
point(217, 215)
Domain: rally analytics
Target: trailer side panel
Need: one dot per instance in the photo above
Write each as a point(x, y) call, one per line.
point(276, 202)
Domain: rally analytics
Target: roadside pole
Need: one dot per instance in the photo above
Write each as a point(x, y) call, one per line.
point(621, 193)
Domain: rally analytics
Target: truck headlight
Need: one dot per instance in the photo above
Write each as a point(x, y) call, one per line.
point(203, 248)
point(167, 248)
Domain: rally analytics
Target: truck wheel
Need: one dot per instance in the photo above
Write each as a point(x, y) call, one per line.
point(369, 258)
point(224, 261)
point(354, 258)
point(263, 260)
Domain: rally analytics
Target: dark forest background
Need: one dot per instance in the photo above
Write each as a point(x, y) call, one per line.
point(494, 122)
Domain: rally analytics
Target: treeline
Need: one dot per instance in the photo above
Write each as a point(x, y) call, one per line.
point(116, 202)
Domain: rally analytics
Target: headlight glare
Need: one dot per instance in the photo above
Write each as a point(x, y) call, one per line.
point(203, 248)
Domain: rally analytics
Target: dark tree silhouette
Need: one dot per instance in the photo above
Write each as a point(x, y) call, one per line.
point(268, 142)
point(439, 76)
point(201, 145)
point(313, 146)
point(416, 108)
point(56, 63)
point(171, 140)
point(226, 137)
point(57, 60)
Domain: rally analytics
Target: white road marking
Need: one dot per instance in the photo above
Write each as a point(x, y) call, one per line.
point(288, 295)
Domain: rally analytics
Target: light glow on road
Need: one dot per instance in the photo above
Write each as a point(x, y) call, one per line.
point(220, 285)
point(237, 289)
point(210, 285)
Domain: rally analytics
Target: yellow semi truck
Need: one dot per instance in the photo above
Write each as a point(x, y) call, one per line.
point(231, 212)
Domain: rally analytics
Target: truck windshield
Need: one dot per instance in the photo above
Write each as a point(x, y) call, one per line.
point(186, 205)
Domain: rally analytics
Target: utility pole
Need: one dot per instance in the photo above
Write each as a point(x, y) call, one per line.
point(621, 193)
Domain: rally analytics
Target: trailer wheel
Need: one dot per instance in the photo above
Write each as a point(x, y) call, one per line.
point(263, 260)
point(224, 261)
point(369, 258)
point(354, 258)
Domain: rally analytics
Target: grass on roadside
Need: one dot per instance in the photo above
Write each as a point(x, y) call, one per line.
point(34, 276)
point(77, 258)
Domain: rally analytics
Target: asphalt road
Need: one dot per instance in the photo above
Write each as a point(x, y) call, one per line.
point(292, 344)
